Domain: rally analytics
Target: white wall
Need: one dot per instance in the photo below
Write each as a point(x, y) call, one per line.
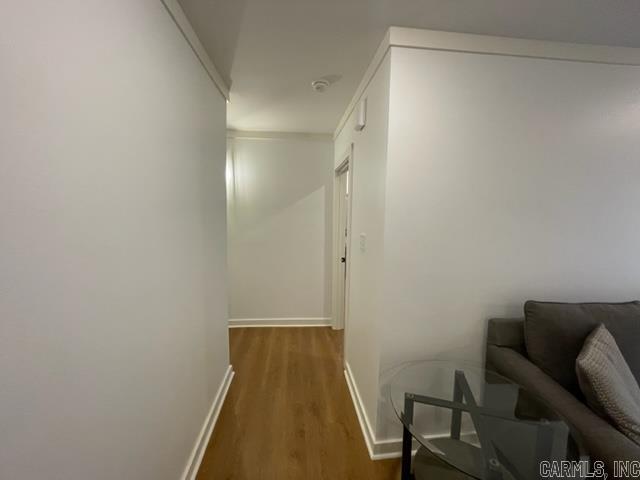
point(113, 307)
point(280, 218)
point(508, 179)
point(362, 333)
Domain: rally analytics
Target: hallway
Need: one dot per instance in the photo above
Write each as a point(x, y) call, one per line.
point(288, 414)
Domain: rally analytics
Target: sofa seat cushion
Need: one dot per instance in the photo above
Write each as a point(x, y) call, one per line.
point(608, 385)
point(555, 333)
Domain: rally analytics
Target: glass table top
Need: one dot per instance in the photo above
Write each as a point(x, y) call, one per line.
point(478, 422)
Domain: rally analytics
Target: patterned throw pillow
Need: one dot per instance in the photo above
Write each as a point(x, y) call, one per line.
point(608, 384)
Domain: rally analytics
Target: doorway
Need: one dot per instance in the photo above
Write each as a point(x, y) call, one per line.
point(342, 235)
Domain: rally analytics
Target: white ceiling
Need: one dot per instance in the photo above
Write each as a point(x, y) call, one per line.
point(269, 51)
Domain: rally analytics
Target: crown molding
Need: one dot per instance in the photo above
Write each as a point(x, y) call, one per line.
point(377, 59)
point(517, 47)
point(182, 22)
point(263, 135)
point(401, 37)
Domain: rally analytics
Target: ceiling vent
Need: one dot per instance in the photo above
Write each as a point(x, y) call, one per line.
point(320, 85)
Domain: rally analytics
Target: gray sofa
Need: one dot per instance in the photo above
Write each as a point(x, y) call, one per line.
point(540, 356)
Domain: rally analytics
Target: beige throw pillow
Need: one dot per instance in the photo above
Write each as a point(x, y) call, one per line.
point(608, 384)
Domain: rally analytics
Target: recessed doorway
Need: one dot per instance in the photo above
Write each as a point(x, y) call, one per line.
point(342, 238)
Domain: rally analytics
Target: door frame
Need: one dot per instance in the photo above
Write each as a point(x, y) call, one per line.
point(343, 166)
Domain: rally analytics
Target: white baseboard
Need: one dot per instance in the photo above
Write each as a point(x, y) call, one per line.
point(193, 465)
point(380, 449)
point(365, 425)
point(280, 322)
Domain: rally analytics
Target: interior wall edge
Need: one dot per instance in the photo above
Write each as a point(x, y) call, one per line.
point(182, 22)
point(269, 135)
point(418, 38)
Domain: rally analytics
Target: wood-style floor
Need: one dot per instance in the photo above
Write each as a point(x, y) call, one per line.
point(288, 413)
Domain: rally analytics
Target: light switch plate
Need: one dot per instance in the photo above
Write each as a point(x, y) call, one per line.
point(363, 242)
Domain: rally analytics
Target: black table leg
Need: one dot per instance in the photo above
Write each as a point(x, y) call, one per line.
point(456, 413)
point(406, 454)
point(407, 439)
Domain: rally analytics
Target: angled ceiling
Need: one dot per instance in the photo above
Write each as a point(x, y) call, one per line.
point(269, 51)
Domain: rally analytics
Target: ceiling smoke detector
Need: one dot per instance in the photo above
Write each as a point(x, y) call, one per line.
point(320, 85)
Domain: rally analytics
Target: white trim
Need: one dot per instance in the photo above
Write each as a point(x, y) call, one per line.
point(264, 135)
point(345, 165)
point(488, 45)
point(518, 47)
point(189, 34)
point(195, 459)
point(378, 449)
point(279, 322)
point(392, 447)
point(365, 425)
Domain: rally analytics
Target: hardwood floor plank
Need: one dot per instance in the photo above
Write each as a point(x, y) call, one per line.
point(288, 413)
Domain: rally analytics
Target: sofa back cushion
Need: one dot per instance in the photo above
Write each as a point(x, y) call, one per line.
point(555, 332)
point(506, 332)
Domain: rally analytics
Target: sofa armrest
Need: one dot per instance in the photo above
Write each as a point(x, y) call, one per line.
point(602, 441)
